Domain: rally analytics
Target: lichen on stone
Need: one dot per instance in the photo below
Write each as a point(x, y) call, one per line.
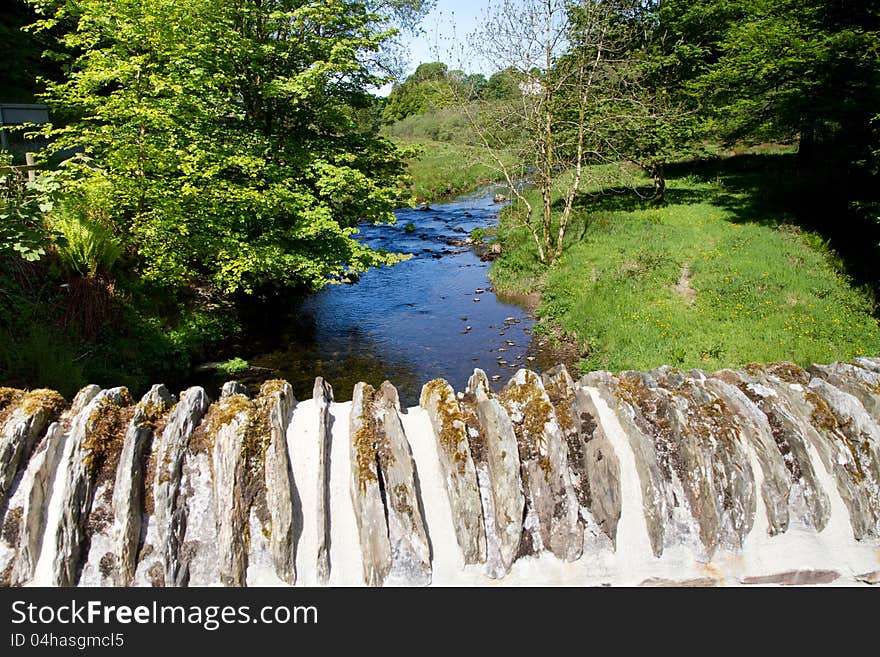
point(453, 429)
point(536, 412)
point(364, 440)
point(9, 398)
point(788, 372)
point(30, 402)
point(105, 434)
point(825, 421)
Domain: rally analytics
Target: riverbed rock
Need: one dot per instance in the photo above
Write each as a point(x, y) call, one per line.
point(366, 496)
point(503, 464)
point(544, 459)
point(322, 395)
point(457, 465)
point(410, 552)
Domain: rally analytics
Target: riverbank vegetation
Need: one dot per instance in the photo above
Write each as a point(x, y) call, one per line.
point(209, 153)
point(719, 275)
point(650, 243)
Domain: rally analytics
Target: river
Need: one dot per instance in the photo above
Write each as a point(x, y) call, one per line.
point(434, 315)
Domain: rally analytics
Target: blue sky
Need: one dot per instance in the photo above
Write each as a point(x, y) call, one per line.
point(444, 35)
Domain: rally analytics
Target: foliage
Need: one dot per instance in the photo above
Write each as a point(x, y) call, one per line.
point(88, 246)
point(572, 61)
point(430, 87)
point(233, 366)
point(228, 135)
point(448, 123)
point(440, 169)
point(22, 205)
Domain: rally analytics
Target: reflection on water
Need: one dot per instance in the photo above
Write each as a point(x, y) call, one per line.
point(434, 315)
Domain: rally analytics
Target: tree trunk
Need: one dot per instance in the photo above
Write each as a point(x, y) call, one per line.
point(659, 182)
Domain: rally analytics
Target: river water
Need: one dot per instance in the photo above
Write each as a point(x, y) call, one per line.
point(434, 315)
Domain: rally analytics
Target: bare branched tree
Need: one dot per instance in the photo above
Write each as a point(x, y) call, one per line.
point(574, 62)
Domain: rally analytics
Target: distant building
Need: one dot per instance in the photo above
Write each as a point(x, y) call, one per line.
point(531, 87)
point(15, 114)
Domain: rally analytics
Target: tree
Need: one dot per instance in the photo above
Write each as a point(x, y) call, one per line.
point(570, 60)
point(805, 70)
point(228, 136)
point(649, 117)
point(432, 85)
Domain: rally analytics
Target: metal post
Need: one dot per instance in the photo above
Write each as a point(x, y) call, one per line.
point(29, 161)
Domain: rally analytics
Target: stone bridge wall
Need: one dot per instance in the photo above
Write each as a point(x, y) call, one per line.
point(763, 476)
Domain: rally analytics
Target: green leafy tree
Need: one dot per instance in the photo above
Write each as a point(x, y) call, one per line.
point(431, 86)
point(644, 112)
point(804, 70)
point(230, 135)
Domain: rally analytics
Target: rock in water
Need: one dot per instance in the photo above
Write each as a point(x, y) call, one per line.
point(502, 459)
point(366, 496)
point(410, 554)
point(544, 460)
point(457, 466)
point(322, 395)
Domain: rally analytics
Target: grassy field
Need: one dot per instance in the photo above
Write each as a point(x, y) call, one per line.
point(445, 169)
point(717, 276)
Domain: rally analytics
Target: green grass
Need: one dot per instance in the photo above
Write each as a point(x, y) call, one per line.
point(445, 169)
point(764, 290)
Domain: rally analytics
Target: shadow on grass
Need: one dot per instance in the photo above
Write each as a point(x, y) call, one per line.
point(768, 189)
